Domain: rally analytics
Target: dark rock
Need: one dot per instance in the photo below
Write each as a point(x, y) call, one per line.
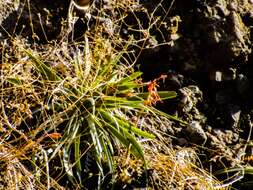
point(234, 112)
point(229, 74)
point(182, 142)
point(189, 98)
point(242, 84)
point(195, 133)
point(224, 96)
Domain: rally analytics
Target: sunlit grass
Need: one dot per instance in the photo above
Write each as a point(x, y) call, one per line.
point(65, 108)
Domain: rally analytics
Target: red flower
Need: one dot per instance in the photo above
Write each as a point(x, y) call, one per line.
point(153, 96)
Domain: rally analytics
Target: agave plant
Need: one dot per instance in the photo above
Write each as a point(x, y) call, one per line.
point(89, 102)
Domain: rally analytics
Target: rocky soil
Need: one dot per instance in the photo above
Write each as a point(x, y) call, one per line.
point(204, 48)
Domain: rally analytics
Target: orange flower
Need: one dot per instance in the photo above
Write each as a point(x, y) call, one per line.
point(54, 136)
point(153, 96)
